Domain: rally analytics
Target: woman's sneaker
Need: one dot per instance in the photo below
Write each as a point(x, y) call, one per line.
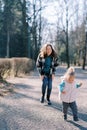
point(65, 117)
point(75, 119)
point(42, 99)
point(49, 102)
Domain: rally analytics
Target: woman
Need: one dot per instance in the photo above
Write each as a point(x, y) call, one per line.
point(46, 62)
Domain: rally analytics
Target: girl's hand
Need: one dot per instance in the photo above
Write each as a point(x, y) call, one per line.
point(80, 84)
point(63, 92)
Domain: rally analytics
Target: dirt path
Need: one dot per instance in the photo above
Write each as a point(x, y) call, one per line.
point(23, 110)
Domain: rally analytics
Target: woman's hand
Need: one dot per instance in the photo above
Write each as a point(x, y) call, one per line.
point(42, 77)
point(52, 76)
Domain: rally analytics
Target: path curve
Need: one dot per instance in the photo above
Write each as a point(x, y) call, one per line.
point(22, 110)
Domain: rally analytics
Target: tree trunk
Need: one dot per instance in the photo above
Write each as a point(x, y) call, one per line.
point(24, 29)
point(8, 41)
point(67, 42)
point(84, 54)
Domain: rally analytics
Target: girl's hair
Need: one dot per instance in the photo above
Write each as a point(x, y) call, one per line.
point(43, 51)
point(70, 72)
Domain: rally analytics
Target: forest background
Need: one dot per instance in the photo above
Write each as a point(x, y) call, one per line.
point(25, 25)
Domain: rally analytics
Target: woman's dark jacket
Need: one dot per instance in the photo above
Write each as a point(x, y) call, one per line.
point(41, 63)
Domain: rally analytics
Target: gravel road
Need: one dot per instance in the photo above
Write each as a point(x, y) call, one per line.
point(22, 109)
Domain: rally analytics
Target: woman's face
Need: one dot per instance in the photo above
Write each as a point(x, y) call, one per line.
point(48, 50)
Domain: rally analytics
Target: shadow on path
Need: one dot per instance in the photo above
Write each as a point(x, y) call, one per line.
point(78, 125)
point(81, 115)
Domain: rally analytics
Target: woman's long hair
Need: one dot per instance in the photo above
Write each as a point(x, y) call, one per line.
point(43, 51)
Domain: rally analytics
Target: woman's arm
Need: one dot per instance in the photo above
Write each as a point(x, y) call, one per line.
point(39, 64)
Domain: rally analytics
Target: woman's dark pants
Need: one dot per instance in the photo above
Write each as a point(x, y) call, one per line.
point(47, 83)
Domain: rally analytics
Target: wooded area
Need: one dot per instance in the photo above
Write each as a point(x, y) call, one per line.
point(24, 28)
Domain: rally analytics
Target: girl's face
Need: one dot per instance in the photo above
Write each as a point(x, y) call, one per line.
point(70, 79)
point(48, 50)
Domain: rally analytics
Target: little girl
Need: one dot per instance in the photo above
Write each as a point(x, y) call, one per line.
point(68, 92)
